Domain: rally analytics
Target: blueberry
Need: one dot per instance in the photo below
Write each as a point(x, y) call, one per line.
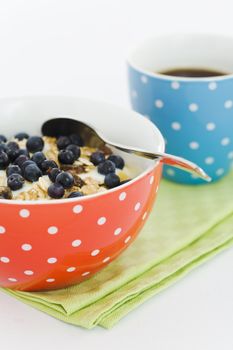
point(12, 154)
point(66, 157)
point(21, 136)
point(97, 157)
point(35, 144)
point(106, 167)
point(53, 174)
point(111, 180)
point(3, 147)
point(63, 142)
point(32, 173)
point(23, 151)
point(47, 165)
point(65, 179)
point(3, 139)
point(15, 182)
point(13, 169)
point(38, 158)
point(117, 160)
point(4, 160)
point(75, 194)
point(12, 150)
point(76, 140)
point(56, 191)
point(20, 160)
point(26, 163)
point(75, 150)
point(12, 145)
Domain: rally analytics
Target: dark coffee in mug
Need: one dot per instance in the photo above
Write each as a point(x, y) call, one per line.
point(193, 72)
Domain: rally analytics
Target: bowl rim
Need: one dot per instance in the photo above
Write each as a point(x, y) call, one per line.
point(131, 61)
point(95, 195)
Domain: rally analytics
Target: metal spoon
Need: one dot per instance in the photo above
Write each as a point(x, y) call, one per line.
point(93, 138)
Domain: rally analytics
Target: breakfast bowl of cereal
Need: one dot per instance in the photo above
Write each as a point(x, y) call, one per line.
point(67, 209)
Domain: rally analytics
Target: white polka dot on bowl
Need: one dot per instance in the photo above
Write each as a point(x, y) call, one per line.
point(210, 126)
point(228, 104)
point(127, 239)
point(101, 221)
point(152, 179)
point(12, 279)
point(76, 243)
point(52, 230)
point(175, 85)
point(122, 196)
point(50, 280)
point(95, 252)
point(209, 160)
point(24, 213)
point(106, 259)
point(85, 273)
point(144, 215)
point(159, 103)
point(52, 260)
point(193, 107)
point(117, 231)
point(137, 206)
point(194, 145)
point(212, 85)
point(2, 230)
point(71, 269)
point(176, 126)
point(28, 272)
point(225, 141)
point(77, 209)
point(4, 259)
point(26, 247)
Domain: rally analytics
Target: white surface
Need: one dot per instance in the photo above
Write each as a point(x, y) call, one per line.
point(78, 47)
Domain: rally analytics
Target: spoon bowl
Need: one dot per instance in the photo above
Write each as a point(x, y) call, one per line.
point(94, 138)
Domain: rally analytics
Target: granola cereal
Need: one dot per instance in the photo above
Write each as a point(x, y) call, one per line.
point(42, 167)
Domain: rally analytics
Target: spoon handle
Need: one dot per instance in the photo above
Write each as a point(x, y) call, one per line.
point(167, 159)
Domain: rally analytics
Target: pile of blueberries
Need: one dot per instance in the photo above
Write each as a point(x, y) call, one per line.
point(20, 166)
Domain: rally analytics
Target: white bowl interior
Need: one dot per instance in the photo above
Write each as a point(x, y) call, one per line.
point(119, 125)
point(184, 50)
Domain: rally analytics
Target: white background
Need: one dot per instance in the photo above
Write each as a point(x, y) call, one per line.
point(78, 47)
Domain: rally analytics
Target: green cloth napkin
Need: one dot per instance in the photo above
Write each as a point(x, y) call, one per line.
point(188, 225)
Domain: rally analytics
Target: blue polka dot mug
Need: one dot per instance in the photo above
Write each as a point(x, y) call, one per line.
point(195, 115)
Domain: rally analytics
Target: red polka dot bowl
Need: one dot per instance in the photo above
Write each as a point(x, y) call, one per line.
point(52, 244)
